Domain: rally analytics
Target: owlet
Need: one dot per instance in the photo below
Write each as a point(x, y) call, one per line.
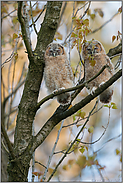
point(95, 58)
point(57, 72)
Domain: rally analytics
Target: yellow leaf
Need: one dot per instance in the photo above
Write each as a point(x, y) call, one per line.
point(83, 114)
point(91, 129)
point(101, 14)
point(86, 22)
point(15, 36)
point(117, 151)
point(81, 161)
point(92, 63)
point(65, 167)
point(82, 149)
point(15, 20)
point(113, 38)
point(71, 161)
point(120, 10)
point(92, 16)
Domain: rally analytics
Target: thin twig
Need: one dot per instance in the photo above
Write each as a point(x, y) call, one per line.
point(32, 19)
point(40, 164)
point(107, 142)
point(63, 10)
point(78, 120)
point(39, 15)
point(103, 24)
point(50, 157)
point(12, 54)
point(75, 26)
point(70, 31)
point(80, 9)
point(72, 143)
point(23, 30)
point(8, 14)
point(7, 141)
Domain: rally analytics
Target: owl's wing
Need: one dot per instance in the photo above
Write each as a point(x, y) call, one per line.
point(110, 65)
point(69, 70)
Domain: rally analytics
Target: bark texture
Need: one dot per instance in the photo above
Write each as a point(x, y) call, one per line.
point(18, 168)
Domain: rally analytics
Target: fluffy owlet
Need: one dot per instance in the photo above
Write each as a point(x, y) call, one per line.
point(57, 72)
point(95, 58)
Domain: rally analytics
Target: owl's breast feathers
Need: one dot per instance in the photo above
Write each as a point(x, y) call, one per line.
point(90, 71)
point(58, 73)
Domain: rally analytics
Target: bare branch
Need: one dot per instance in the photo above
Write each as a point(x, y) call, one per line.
point(8, 14)
point(51, 155)
point(116, 50)
point(23, 29)
point(32, 19)
point(75, 26)
point(69, 89)
point(62, 112)
point(72, 143)
point(39, 15)
point(104, 24)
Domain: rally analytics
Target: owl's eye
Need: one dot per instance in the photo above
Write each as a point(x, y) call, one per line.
point(89, 49)
point(95, 49)
point(58, 51)
point(50, 51)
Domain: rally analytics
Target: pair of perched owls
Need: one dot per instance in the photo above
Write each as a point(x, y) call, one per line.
point(58, 73)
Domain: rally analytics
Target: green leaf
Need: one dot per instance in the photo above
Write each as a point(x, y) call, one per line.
point(113, 105)
point(106, 105)
point(74, 118)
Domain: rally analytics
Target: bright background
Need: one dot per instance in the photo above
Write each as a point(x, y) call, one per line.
point(107, 155)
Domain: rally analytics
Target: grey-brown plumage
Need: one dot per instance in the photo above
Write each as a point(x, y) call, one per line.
point(57, 72)
point(95, 58)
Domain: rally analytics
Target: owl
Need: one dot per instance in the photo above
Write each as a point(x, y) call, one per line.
point(57, 72)
point(95, 58)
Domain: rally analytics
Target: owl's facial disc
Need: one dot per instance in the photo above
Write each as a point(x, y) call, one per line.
point(92, 49)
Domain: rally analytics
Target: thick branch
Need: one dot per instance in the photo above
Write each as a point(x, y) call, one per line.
point(116, 50)
point(60, 114)
point(80, 86)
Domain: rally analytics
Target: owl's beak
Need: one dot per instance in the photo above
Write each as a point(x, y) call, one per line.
point(54, 54)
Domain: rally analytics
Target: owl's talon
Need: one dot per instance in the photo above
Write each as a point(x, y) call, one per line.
point(62, 88)
point(54, 91)
point(101, 83)
point(93, 90)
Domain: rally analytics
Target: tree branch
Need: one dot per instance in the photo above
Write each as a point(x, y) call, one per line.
point(72, 143)
point(23, 29)
point(80, 86)
point(61, 114)
point(104, 24)
point(116, 50)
